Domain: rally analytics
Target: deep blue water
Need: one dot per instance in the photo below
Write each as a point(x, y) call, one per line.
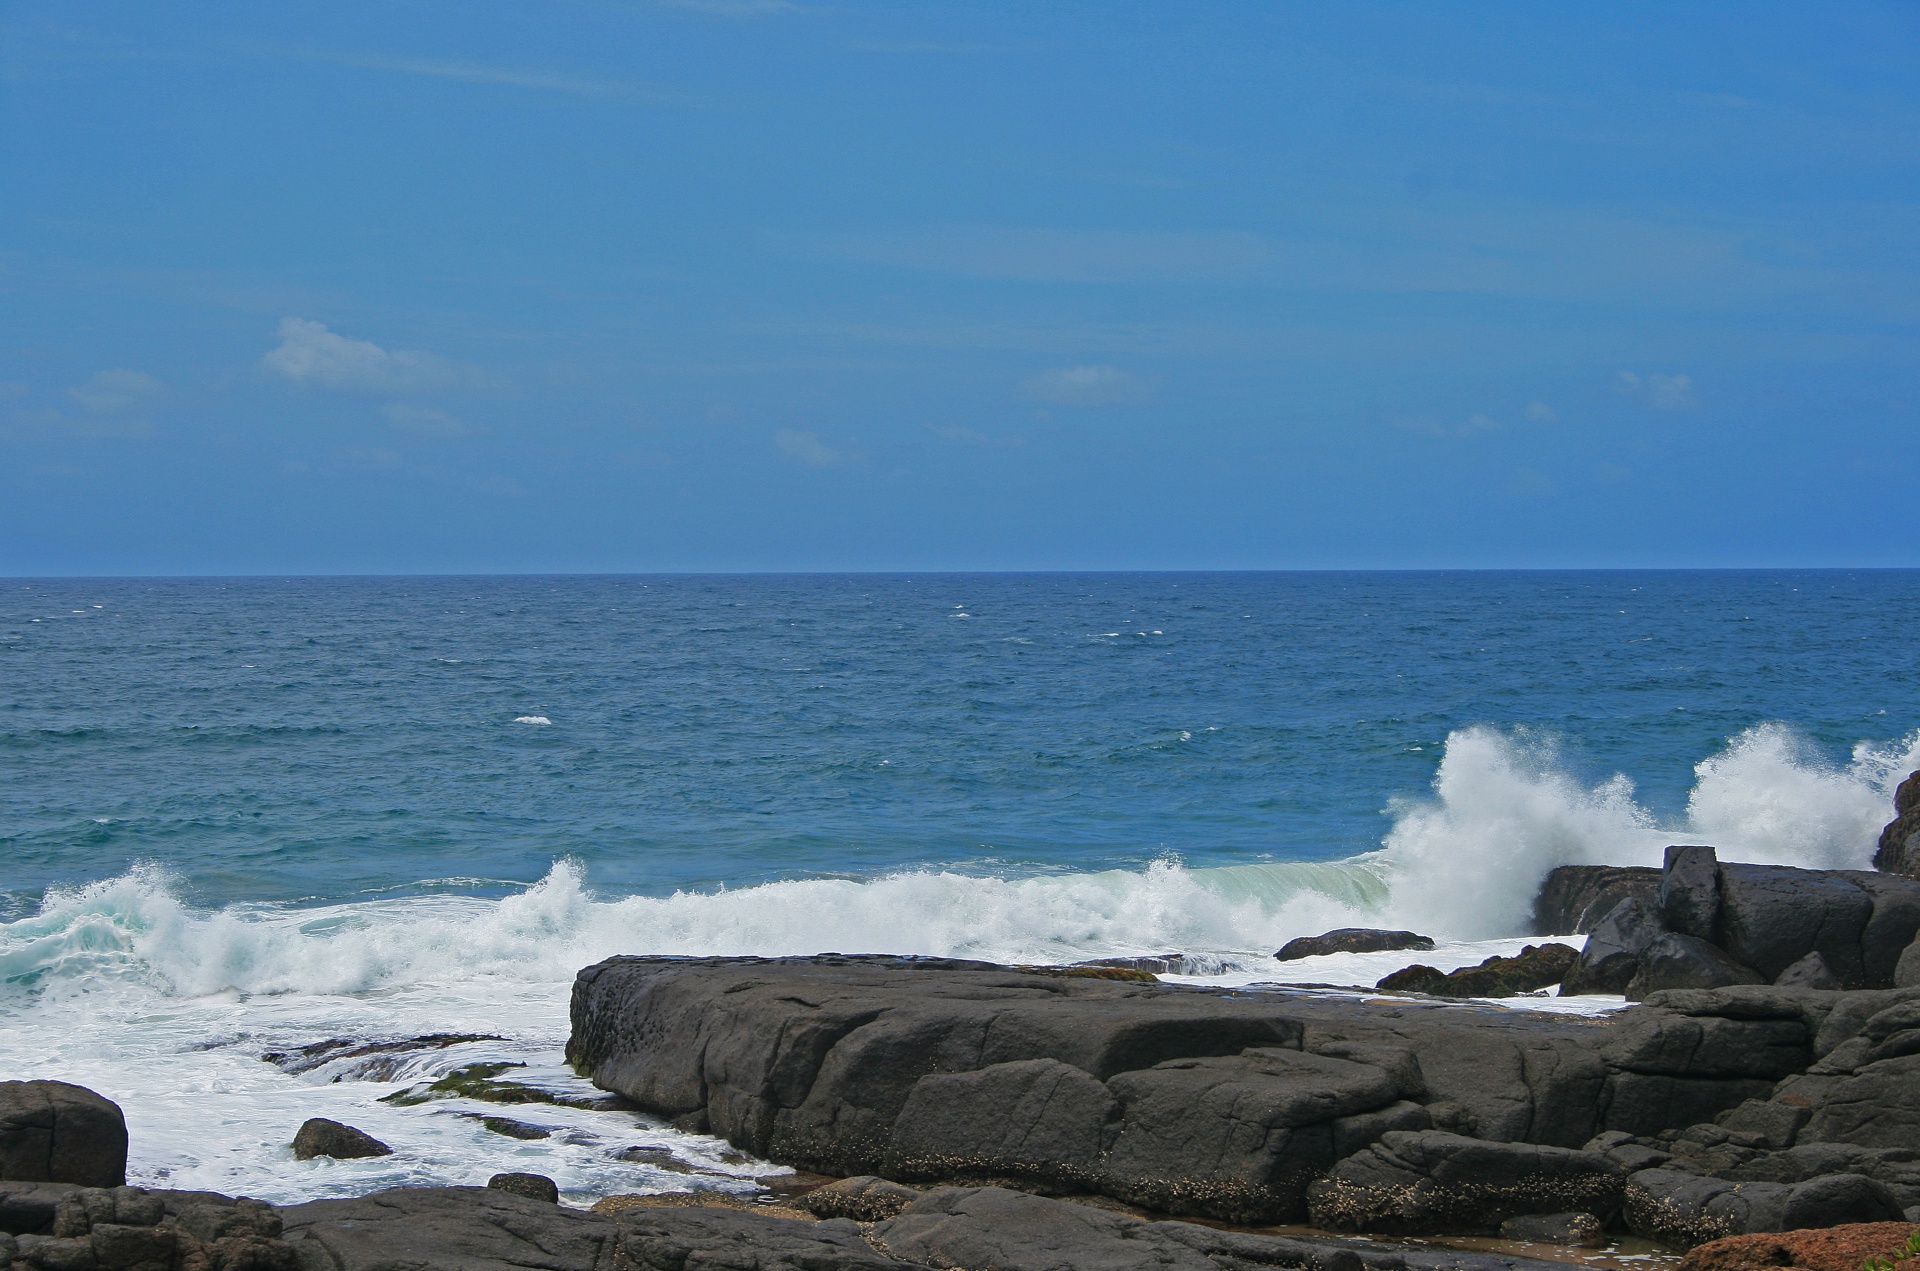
point(326, 739)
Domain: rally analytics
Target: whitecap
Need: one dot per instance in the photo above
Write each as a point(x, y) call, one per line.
point(531, 719)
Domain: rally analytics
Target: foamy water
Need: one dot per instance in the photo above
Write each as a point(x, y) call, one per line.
point(168, 1009)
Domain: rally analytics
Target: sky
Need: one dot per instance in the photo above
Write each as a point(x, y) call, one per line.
point(562, 285)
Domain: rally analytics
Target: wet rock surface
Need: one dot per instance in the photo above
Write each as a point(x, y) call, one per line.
point(1534, 968)
point(318, 1136)
point(1352, 940)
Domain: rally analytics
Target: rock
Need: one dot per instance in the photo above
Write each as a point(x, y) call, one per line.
point(1611, 957)
point(1810, 972)
point(1352, 940)
point(1774, 915)
point(473, 1228)
point(1906, 972)
point(1573, 898)
point(1689, 901)
point(990, 1227)
point(1898, 852)
point(1687, 1209)
point(1576, 1231)
point(1774, 1125)
point(865, 1198)
point(321, 1137)
point(1534, 967)
point(1151, 964)
point(1675, 961)
point(532, 1186)
point(1876, 1106)
point(54, 1132)
point(516, 1129)
point(1433, 1181)
point(1842, 1248)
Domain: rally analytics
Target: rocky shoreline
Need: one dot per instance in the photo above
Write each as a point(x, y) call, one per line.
point(1765, 1079)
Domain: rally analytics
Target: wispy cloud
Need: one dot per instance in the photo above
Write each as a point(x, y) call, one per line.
point(736, 8)
point(110, 392)
point(1541, 413)
point(807, 448)
point(1661, 392)
point(507, 76)
point(1087, 386)
point(311, 355)
point(423, 421)
point(962, 435)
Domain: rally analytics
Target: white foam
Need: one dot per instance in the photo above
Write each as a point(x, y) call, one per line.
point(531, 719)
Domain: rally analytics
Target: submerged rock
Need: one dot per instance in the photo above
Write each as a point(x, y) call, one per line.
point(1575, 1231)
point(1352, 940)
point(321, 1137)
point(54, 1132)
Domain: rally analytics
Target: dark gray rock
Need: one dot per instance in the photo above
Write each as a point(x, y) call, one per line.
point(1437, 1182)
point(1352, 940)
point(1611, 957)
point(1897, 851)
point(1771, 916)
point(864, 1198)
point(1534, 967)
point(1906, 972)
point(1234, 1137)
point(1810, 972)
point(532, 1186)
point(1573, 898)
point(1038, 1119)
point(1674, 961)
point(1575, 1231)
point(480, 1229)
point(54, 1132)
point(1876, 1106)
point(1773, 1125)
point(989, 1227)
point(318, 1136)
point(1687, 1209)
point(1689, 902)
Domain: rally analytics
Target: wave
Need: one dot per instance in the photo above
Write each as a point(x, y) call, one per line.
point(1462, 865)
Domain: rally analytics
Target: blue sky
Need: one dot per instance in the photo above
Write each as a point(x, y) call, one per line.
point(751, 284)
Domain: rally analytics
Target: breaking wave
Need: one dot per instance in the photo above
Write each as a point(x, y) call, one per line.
point(1463, 864)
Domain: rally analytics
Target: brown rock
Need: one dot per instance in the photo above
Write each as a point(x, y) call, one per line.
point(1820, 1249)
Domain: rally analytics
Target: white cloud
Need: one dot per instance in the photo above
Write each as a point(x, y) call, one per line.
point(807, 448)
point(1541, 413)
point(423, 421)
point(311, 355)
point(117, 390)
point(1086, 386)
point(1662, 392)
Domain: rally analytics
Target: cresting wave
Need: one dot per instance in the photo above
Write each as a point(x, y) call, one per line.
point(1462, 865)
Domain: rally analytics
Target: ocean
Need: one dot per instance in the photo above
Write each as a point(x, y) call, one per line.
point(250, 817)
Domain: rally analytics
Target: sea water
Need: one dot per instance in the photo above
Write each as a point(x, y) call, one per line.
point(243, 817)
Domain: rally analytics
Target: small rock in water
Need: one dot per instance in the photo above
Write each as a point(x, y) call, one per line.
point(515, 1129)
point(1579, 1231)
point(532, 1186)
point(321, 1137)
point(1535, 967)
point(1353, 940)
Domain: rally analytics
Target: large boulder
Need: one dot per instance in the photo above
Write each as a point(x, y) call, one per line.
point(1898, 851)
point(1611, 957)
point(1352, 940)
point(1573, 898)
point(54, 1132)
point(1431, 1181)
point(1674, 961)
